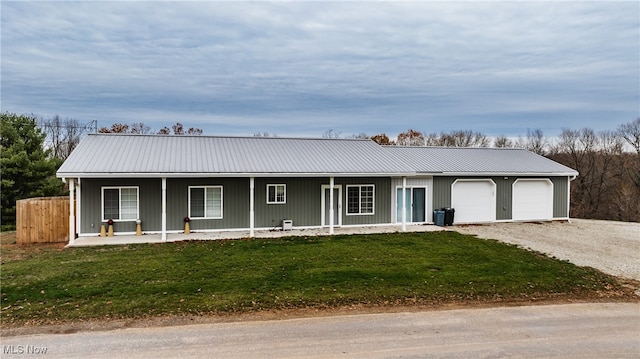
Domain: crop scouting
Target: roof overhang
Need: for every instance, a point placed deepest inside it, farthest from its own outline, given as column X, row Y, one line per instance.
column 505, row 174
column 234, row 175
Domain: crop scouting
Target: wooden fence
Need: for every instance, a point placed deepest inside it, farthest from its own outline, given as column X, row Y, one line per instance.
column 42, row 220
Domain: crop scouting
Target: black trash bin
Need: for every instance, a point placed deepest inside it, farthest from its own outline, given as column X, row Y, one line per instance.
column 448, row 216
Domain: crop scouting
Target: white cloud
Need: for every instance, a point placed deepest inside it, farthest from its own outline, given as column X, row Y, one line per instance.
column 354, row 67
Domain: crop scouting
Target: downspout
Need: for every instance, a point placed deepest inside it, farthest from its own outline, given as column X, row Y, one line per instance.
column 571, row 179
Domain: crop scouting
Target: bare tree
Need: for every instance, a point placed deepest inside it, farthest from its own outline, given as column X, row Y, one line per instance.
column 503, row 142
column 330, row 133
column 605, row 182
column 264, row 134
column 411, row 138
column 140, row 128
column 464, row 138
column 630, row 132
column 535, row 142
column 432, row 139
column 360, row 136
column 115, row 128
column 63, row 135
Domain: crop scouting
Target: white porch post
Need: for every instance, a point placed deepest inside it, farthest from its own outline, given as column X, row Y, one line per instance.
column 404, row 205
column 331, row 199
column 72, row 217
column 252, row 185
column 164, row 208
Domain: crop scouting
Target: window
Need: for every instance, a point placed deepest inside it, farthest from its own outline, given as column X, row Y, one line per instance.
column 360, row 199
column 120, row 203
column 205, row 202
column 276, row 193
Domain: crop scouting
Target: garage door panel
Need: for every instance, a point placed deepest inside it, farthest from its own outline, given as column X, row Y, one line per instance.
column 474, row 201
column 532, row 200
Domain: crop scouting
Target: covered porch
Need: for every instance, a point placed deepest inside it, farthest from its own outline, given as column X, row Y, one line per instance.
column 222, row 235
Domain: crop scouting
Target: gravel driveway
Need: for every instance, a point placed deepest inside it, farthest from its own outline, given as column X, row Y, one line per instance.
column 612, row 247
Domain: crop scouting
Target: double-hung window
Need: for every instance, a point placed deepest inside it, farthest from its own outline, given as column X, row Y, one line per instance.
column 205, row 202
column 276, row 194
column 120, row 203
column 360, row 199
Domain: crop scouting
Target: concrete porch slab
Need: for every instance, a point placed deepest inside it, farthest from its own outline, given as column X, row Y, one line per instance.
column 195, row 235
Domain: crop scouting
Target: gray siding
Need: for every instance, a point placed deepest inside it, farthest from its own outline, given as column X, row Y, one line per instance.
column 382, row 203
column 303, row 202
column 150, row 206
column 504, row 192
column 235, row 203
column 560, row 199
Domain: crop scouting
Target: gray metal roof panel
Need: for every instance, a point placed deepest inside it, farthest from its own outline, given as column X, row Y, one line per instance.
column 438, row 160
column 163, row 154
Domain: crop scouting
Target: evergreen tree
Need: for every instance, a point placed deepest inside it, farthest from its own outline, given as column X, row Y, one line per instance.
column 26, row 168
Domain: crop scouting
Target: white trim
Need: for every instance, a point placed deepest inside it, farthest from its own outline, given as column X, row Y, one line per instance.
column 426, row 204
column 404, row 205
column 276, row 185
column 205, row 187
column 323, row 220
column 549, row 204
column 72, row 218
column 373, row 200
column 252, row 186
column 493, row 192
column 239, row 174
column 120, row 188
column 164, row 209
column 78, row 208
column 332, row 214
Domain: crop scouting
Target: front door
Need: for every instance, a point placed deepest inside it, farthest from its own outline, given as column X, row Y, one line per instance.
column 337, row 205
column 414, row 204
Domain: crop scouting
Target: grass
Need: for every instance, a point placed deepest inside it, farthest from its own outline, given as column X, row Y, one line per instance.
column 135, row 281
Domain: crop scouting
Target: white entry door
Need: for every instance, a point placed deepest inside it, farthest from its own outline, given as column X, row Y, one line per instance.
column 337, row 205
column 532, row 199
column 474, row 201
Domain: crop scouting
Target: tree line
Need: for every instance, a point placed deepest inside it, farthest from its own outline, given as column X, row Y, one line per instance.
column 608, row 187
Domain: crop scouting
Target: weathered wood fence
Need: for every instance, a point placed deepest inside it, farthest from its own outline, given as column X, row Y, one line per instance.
column 42, row 220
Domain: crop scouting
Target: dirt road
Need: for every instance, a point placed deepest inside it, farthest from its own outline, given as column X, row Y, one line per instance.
column 612, row 247
column 604, row 330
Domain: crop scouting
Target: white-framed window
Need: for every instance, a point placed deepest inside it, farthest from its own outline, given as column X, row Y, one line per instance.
column 276, row 194
column 120, row 203
column 360, row 199
column 205, row 202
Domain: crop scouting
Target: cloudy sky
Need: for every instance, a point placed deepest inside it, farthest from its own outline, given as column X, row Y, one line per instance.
column 300, row 68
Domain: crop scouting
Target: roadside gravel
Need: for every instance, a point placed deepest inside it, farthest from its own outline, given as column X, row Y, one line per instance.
column 612, row 247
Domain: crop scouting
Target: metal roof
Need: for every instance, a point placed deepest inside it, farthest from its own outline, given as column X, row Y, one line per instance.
column 485, row 161
column 118, row 155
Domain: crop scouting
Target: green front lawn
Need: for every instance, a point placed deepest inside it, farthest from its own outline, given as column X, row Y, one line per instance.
column 246, row 275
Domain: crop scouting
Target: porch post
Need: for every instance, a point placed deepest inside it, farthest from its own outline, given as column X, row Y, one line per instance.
column 164, row 208
column 72, row 217
column 331, row 199
column 252, row 185
column 404, row 205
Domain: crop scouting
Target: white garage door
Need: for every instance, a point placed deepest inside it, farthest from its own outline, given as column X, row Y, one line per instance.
column 474, row 201
column 532, row 199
